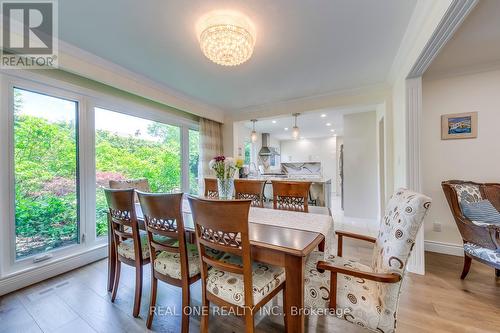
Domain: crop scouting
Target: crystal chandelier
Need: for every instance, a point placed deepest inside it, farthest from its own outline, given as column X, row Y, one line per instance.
column 226, row 37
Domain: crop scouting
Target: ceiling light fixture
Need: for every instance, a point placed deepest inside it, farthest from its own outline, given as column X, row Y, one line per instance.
column 253, row 135
column 274, row 121
column 226, row 37
column 295, row 129
column 332, row 130
column 323, row 115
column 328, row 124
column 286, row 128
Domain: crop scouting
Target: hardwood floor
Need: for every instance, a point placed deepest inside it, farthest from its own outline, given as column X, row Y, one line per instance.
column 78, row 302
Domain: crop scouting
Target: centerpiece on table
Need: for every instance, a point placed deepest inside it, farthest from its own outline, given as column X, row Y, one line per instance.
column 225, row 169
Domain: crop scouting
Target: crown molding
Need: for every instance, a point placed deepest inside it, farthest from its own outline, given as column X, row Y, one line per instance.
column 453, row 18
column 83, row 63
column 432, row 24
column 369, row 95
column 461, row 71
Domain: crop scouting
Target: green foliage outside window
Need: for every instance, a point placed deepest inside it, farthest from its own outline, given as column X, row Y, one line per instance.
column 45, row 182
column 46, row 205
column 121, row 157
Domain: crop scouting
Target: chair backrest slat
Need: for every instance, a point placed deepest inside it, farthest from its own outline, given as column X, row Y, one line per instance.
column 288, row 195
column 250, row 189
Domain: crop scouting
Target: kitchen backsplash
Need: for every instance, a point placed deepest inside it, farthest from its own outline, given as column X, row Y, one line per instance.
column 306, row 168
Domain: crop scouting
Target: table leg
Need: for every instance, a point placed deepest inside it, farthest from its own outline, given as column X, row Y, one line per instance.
column 111, row 257
column 294, row 268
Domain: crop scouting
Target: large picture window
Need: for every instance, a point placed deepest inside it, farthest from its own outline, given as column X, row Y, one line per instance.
column 129, row 147
column 45, row 172
column 61, row 145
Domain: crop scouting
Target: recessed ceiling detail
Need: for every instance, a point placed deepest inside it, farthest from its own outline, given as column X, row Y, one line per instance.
column 301, row 49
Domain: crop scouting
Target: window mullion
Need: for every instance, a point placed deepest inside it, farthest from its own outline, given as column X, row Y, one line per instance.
column 185, row 159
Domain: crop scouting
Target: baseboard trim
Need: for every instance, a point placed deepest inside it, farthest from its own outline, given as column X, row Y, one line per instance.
column 444, row 248
column 24, row 279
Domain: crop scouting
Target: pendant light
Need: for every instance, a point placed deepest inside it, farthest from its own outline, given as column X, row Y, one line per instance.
column 295, row 130
column 253, row 135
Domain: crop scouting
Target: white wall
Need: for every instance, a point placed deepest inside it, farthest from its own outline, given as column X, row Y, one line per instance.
column 312, row 150
column 467, row 159
column 361, row 195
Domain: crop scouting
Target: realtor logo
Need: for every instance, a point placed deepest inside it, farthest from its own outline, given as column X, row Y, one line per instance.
column 29, row 34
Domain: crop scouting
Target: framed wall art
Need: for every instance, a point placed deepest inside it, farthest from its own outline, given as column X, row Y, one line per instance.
column 459, row 126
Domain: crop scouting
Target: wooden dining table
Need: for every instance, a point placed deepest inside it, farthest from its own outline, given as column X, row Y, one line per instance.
column 275, row 245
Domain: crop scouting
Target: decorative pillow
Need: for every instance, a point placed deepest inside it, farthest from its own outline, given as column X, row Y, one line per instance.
column 481, row 211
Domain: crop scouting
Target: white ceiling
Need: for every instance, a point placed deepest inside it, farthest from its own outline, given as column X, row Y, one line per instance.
column 311, row 124
column 303, row 48
column 476, row 43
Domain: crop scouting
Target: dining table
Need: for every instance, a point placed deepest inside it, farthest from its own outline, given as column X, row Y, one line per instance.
column 277, row 237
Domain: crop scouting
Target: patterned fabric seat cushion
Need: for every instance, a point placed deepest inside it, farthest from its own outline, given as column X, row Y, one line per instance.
column 169, row 263
column 358, row 297
column 229, row 286
column 126, row 248
column 485, row 254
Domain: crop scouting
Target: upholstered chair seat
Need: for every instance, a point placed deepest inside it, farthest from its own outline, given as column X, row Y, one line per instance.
column 368, row 295
column 482, row 253
column 356, row 294
column 126, row 248
column 169, row 263
column 229, row 286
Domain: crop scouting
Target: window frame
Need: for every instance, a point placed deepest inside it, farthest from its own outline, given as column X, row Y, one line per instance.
column 87, row 100
column 13, row 263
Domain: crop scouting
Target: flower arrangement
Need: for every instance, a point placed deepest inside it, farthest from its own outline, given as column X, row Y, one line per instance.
column 225, row 167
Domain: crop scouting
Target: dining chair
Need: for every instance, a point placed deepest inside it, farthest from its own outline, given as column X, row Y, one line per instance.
column 211, row 190
column 289, row 195
column 250, row 189
column 367, row 296
column 175, row 263
column 131, row 248
column 234, row 282
column 141, row 184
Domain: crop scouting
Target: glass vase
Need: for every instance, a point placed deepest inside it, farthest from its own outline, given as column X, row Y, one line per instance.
column 225, row 188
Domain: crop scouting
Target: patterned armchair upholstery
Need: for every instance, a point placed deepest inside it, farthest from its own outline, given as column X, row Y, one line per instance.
column 481, row 240
column 368, row 295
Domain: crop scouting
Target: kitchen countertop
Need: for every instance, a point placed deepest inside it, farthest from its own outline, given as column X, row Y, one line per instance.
column 294, row 179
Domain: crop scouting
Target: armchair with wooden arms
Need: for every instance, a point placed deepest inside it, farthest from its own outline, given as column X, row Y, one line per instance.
column 481, row 240
column 368, row 295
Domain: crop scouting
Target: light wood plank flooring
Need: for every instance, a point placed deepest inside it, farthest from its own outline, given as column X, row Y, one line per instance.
column 78, row 302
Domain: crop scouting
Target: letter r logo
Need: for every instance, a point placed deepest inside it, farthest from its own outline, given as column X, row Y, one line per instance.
column 27, row 27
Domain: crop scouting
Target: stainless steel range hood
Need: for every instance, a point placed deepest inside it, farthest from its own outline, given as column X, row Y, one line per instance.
column 266, row 150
